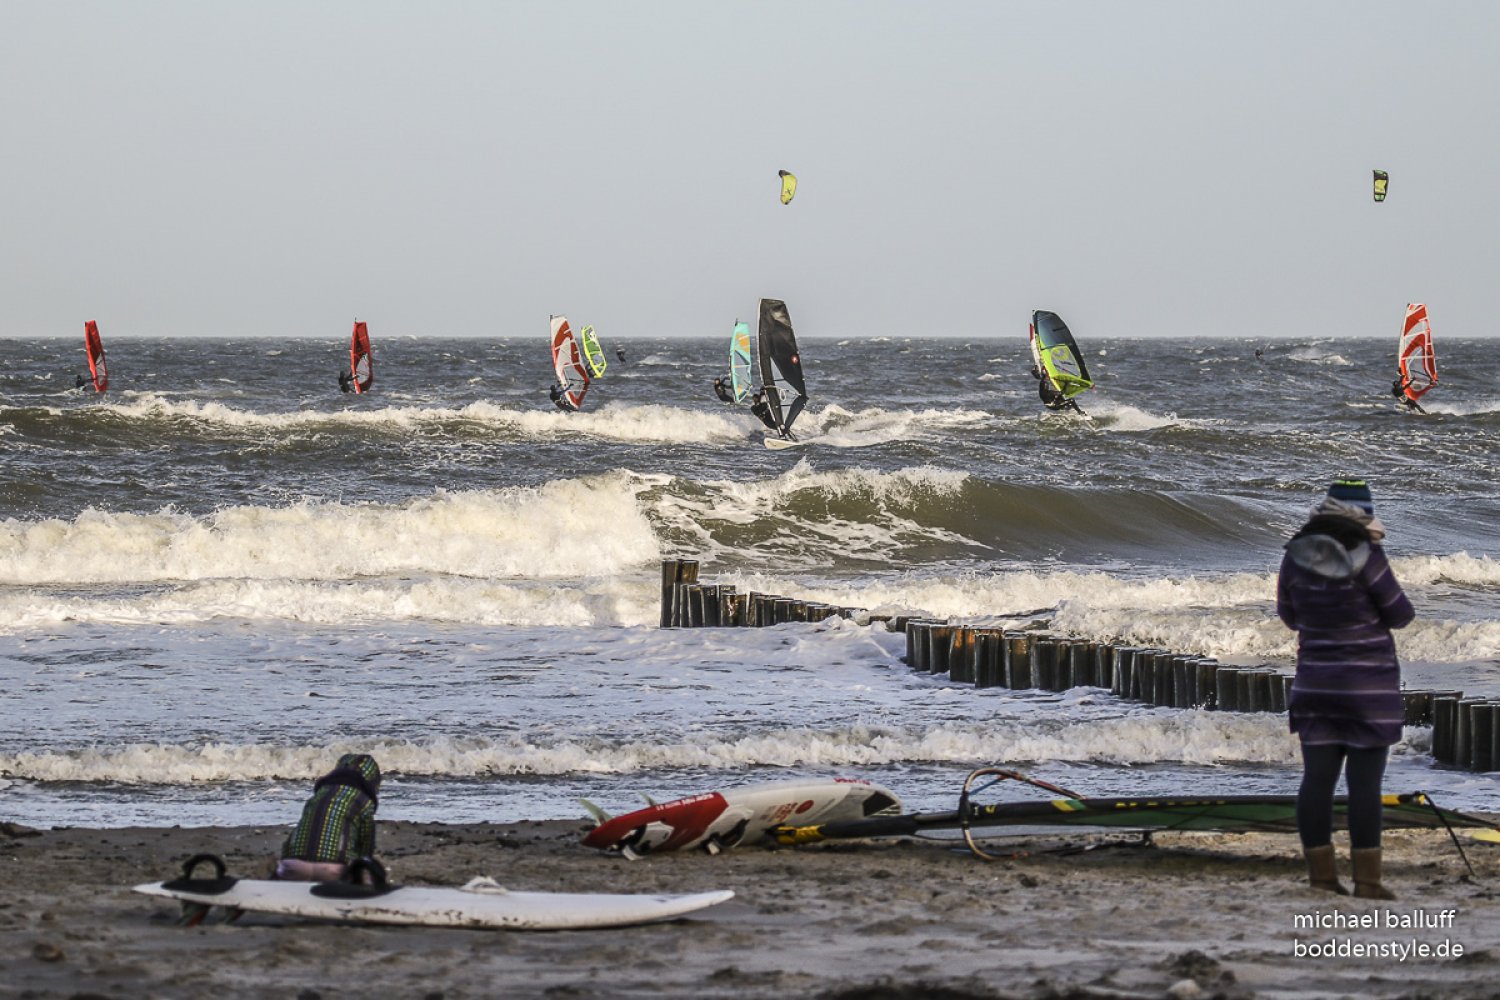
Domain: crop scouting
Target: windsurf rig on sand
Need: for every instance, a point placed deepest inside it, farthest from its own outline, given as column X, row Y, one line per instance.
column 1143, row 814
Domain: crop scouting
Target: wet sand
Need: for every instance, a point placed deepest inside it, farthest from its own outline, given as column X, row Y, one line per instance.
column 1194, row 915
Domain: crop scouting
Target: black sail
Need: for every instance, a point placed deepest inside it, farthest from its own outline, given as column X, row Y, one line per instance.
column 780, row 363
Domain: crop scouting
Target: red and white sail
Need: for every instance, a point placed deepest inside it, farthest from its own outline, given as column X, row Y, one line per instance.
column 1415, row 356
column 93, row 346
column 361, row 360
column 567, row 360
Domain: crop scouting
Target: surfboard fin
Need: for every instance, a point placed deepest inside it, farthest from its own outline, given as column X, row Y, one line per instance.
column 600, row 816
column 649, row 800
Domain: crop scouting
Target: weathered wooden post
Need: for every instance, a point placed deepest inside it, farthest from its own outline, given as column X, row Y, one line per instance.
column 1081, row 659
column 1444, row 715
column 1018, row 662
column 1104, row 665
column 989, row 657
column 939, row 642
column 1044, row 664
column 1482, row 728
column 961, row 656
column 1227, row 686
column 674, row 574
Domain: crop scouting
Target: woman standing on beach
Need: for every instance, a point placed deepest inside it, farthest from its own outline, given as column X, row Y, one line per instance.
column 1336, row 590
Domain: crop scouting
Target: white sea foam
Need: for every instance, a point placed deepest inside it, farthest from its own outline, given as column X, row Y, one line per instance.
column 649, row 423
column 1113, row 416
column 837, row 427
column 548, row 531
column 1141, row 738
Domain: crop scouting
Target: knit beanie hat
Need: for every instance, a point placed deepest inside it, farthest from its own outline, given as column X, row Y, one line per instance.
column 1353, row 491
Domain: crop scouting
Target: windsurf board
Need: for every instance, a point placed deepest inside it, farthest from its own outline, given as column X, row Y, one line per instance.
column 781, row 444
column 482, row 902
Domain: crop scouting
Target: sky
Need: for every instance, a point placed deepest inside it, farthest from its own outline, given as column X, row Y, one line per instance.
column 1195, row 168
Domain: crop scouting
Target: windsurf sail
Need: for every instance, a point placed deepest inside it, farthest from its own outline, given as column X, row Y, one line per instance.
column 593, row 352
column 572, row 377
column 361, row 360
column 788, row 186
column 1220, row 813
column 1382, row 181
column 739, row 361
column 1415, row 356
column 93, row 346
column 1056, row 354
column 780, row 365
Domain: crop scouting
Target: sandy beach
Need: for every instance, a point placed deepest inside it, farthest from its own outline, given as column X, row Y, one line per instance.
column 1192, row 915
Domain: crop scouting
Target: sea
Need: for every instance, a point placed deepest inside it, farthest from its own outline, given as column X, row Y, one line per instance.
column 222, row 573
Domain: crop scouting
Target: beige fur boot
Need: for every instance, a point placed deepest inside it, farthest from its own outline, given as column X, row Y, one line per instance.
column 1322, row 872
column 1367, row 874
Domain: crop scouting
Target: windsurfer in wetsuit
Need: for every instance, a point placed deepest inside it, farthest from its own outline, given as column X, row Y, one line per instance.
column 1398, row 389
column 346, row 381
column 1051, row 397
column 620, row 353
column 560, row 399
column 722, row 391
column 762, row 409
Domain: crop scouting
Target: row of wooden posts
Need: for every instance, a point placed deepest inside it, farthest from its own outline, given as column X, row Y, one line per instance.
column 1465, row 731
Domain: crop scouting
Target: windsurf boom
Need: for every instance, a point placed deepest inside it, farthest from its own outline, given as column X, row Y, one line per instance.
column 739, row 361
column 361, row 360
column 1415, row 356
column 1057, row 355
column 567, row 361
column 780, row 365
column 93, row 347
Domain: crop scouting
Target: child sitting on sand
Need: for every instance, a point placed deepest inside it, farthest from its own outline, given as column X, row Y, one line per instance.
column 337, row 824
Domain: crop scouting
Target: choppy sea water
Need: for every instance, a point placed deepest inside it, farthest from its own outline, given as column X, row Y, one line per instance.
column 222, row 574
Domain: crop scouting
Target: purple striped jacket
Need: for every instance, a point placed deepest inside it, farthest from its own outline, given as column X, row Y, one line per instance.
column 1341, row 597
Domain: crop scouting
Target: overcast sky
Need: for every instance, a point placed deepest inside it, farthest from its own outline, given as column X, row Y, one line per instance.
column 1141, row 168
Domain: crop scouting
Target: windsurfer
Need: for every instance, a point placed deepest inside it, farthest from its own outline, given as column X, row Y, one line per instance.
column 346, row 381
column 1398, row 389
column 620, row 353
column 722, row 391
column 560, row 398
column 1053, row 399
column 762, row 409
column 79, row 381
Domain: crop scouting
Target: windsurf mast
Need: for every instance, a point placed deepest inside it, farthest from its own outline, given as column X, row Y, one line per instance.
column 93, row 347
column 780, row 365
column 1415, row 355
column 361, row 359
column 567, row 361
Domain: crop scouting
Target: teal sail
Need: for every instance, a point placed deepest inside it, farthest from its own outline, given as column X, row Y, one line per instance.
column 739, row 361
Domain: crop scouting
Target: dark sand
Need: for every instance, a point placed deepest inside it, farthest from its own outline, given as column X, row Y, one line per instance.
column 1196, row 915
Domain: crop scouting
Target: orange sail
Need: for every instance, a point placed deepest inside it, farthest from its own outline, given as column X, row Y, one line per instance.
column 94, row 348
column 361, row 361
column 1415, row 357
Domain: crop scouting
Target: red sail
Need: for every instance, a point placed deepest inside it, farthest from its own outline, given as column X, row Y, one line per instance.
column 94, row 348
column 361, row 361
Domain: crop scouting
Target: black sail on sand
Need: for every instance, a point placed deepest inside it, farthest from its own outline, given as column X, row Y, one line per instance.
column 780, row 364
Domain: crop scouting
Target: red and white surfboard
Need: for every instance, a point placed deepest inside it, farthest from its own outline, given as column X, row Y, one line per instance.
column 716, row 820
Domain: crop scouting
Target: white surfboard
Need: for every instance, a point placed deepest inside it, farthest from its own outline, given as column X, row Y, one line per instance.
column 481, row 903
column 716, row 820
column 781, row 444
